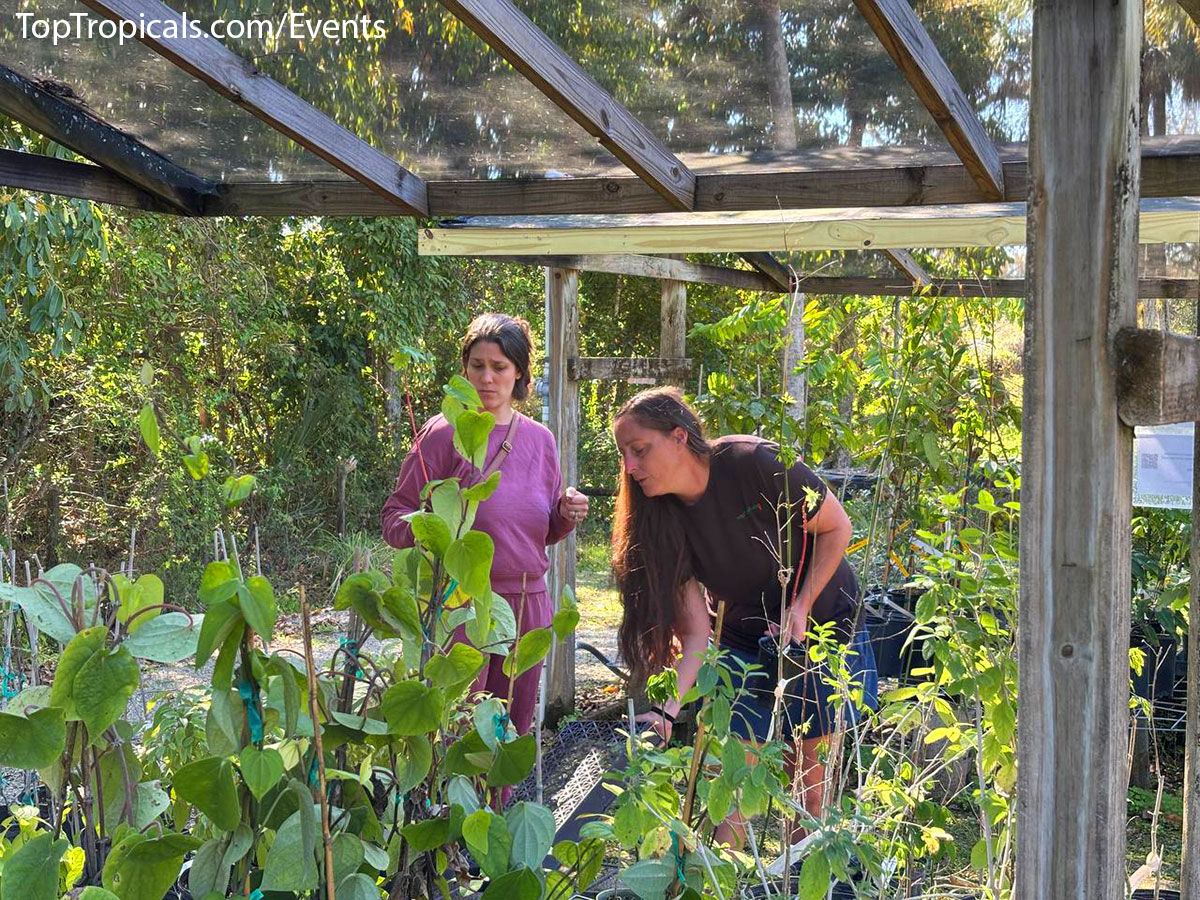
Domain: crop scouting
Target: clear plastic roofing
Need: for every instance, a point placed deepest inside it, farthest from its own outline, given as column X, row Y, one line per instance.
column 699, row 74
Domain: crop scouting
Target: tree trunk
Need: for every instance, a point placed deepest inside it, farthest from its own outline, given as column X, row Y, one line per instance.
column 778, row 77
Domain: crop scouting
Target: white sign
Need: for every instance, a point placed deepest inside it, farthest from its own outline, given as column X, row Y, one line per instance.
column 1162, row 466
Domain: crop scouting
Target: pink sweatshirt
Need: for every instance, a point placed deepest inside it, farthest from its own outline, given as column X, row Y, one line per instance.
column 521, row 517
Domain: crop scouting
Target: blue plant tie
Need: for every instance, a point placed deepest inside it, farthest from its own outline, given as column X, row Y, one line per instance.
column 10, row 682
column 501, row 722
column 256, row 894
column 450, row 589
column 249, row 694
column 312, row 771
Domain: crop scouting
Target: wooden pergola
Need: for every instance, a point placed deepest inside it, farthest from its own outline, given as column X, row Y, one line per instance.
column 1074, row 194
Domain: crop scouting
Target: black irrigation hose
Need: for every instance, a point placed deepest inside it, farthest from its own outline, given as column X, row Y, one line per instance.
column 604, row 660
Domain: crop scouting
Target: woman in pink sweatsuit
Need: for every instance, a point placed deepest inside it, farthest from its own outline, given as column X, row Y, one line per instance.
column 528, row 511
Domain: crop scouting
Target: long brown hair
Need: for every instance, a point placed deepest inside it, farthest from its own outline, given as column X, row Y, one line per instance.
column 649, row 549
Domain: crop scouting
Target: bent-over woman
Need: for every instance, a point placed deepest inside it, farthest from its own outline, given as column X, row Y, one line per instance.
column 693, row 514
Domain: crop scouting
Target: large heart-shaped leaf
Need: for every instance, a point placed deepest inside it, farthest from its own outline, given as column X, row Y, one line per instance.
column 208, row 785
column 261, row 769
column 454, row 670
column 142, row 868
column 146, row 592
column 469, row 562
column 31, row 873
column 532, row 829
column 222, row 617
column 168, row 638
column 531, row 650
column 411, row 707
column 34, row 741
column 219, row 582
column 471, row 432
column 514, row 761
column 75, row 655
column 103, row 687
column 291, row 864
column 257, row 600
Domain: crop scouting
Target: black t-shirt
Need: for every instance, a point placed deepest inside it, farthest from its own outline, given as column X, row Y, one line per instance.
column 734, row 538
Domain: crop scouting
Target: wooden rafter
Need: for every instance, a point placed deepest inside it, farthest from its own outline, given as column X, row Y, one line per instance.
column 907, row 266
column 1192, row 8
column 776, row 272
column 909, row 44
column 236, row 79
column 1158, row 377
column 526, row 47
column 622, row 368
column 47, row 175
column 75, row 128
column 980, row 225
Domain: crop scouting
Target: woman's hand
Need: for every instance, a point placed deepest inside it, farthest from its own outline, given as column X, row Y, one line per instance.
column 797, row 626
column 573, row 506
column 656, row 720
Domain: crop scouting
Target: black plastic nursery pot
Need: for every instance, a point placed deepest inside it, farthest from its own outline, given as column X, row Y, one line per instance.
column 888, row 634
column 774, row 889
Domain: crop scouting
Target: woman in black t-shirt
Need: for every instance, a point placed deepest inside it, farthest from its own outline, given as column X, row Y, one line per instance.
column 729, row 517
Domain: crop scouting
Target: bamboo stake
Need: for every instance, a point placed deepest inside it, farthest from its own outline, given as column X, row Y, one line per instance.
column 312, row 711
column 690, row 796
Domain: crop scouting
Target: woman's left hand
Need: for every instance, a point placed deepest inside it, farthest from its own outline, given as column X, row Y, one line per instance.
column 573, row 506
column 797, row 626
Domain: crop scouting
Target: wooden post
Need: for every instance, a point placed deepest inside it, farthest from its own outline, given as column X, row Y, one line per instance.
column 1076, row 491
column 562, row 344
column 672, row 335
column 1189, row 876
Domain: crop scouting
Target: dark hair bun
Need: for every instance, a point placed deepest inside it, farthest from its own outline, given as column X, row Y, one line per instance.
column 512, row 336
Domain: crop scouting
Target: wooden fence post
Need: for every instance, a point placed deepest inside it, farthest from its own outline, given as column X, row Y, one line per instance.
column 1076, row 493
column 672, row 335
column 562, row 344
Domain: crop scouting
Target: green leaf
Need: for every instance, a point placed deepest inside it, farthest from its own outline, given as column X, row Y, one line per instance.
column 504, row 625
column 447, row 503
column 460, row 790
column 930, row 447
column 464, row 756
column 75, row 655
column 564, row 623
column 43, row 611
column 168, row 638
column 720, row 800
column 471, row 432
column 257, row 601
column 146, row 592
column 487, row 714
column 196, row 462
column 469, row 562
column 531, row 650
column 627, row 822
column 413, row 762
column 463, row 391
column 477, row 493
column 401, row 606
column 141, row 868
column 427, row 834
column 430, row 531
column 926, row 607
column 219, row 582
column 519, row 885
column 348, row 855
column 814, row 877
column 475, row 831
column 91, row 892
column 208, row 785
column 219, row 622
column 224, row 722
column 236, row 489
column 209, row 873
column 357, row 886
column 514, row 762
column 291, row 864
column 455, row 670
column 650, row 878
column 148, row 424
column 493, row 852
column 103, row 687
column 532, row 830
column 411, row 707
column 261, row 769
column 31, row 873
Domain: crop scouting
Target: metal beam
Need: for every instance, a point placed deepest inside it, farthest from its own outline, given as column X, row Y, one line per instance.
column 238, row 80
column 70, row 125
column 909, row 44
column 47, row 175
column 526, row 47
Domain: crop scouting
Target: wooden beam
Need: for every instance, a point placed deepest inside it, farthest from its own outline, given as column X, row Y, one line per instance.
column 909, row 44
column 650, row 267
column 510, row 33
column 981, row 225
column 672, row 334
column 562, row 346
column 868, row 286
column 776, row 272
column 73, row 127
column 872, row 176
column 1076, row 459
column 47, row 175
column 1192, row 8
column 1158, row 376
column 238, row 80
column 624, row 368
column 906, row 265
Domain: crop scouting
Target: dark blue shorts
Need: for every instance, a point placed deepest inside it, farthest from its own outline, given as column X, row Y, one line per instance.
column 809, row 702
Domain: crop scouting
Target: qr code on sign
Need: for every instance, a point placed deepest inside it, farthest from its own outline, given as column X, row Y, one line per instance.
column 1149, row 460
